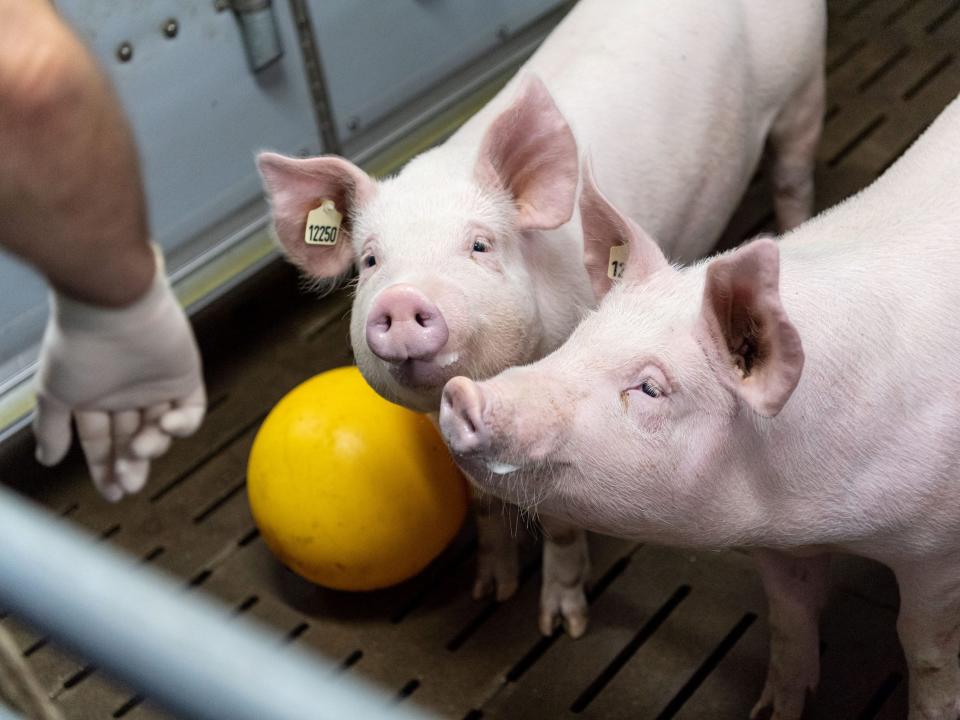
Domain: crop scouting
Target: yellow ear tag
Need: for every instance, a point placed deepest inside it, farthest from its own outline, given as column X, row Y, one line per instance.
column 618, row 261
column 323, row 225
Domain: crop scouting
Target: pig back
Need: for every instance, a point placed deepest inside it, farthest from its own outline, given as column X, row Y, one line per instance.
column 872, row 287
column 673, row 101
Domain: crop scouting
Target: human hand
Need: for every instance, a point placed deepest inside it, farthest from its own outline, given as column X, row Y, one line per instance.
column 130, row 377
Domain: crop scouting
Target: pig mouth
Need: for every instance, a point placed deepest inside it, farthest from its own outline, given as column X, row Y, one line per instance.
column 481, row 467
column 425, row 374
column 526, row 486
column 498, row 467
column 491, row 475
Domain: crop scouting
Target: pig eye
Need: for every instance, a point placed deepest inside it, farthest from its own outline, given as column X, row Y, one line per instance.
column 650, row 389
column 480, row 246
column 369, row 261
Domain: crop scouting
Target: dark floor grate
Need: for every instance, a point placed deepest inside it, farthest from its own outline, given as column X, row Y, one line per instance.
column 545, row 643
column 888, row 65
column 881, row 696
column 925, row 79
column 352, row 659
column 942, row 18
column 851, row 145
column 709, row 665
column 621, row 659
column 409, row 688
column 296, row 632
column 128, row 706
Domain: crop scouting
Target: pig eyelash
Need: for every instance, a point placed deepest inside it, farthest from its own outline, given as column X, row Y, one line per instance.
column 480, row 245
column 650, row 389
column 368, row 256
column 647, row 387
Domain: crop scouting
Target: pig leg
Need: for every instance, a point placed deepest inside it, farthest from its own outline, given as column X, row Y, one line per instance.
column 497, row 563
column 566, row 571
column 929, row 629
column 793, row 143
column 796, row 590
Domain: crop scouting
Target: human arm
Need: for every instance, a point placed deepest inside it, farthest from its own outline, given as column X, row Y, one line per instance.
column 118, row 354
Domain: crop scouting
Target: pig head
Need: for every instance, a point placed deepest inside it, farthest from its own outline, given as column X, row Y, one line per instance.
column 630, row 425
column 453, row 274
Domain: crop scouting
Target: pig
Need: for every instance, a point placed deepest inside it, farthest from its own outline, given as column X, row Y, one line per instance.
column 470, row 260
column 795, row 398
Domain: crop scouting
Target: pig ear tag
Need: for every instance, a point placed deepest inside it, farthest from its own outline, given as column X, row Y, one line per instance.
column 323, row 225
column 618, row 261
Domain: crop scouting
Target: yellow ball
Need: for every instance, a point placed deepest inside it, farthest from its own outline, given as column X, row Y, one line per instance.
column 350, row 490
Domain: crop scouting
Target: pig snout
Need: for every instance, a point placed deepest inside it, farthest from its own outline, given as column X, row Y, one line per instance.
column 461, row 417
column 404, row 324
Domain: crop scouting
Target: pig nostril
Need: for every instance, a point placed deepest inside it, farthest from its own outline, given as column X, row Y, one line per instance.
column 468, row 421
column 422, row 319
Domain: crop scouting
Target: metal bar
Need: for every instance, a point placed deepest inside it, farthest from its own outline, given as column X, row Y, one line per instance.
column 179, row 650
column 313, row 66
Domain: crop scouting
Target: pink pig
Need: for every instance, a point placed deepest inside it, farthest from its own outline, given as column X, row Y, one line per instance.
column 470, row 260
column 796, row 398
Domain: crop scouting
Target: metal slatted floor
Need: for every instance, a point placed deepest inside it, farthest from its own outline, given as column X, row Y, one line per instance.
column 673, row 634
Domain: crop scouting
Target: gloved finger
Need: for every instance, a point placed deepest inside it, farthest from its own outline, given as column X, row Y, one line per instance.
column 153, row 413
column 151, row 441
column 51, row 428
column 186, row 415
column 93, row 427
column 131, row 474
column 123, row 425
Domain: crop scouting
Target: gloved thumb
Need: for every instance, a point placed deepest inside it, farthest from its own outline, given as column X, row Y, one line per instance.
column 51, row 427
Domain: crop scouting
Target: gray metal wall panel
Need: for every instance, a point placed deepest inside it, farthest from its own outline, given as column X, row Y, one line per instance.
column 378, row 55
column 197, row 111
column 23, row 313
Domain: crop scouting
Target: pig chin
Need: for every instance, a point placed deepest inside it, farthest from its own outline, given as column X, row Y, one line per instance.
column 428, row 376
column 517, row 484
column 416, row 384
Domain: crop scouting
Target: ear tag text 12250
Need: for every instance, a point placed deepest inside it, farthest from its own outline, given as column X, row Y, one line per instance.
column 323, row 225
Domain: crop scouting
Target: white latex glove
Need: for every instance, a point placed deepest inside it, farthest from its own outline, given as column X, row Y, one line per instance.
column 130, row 377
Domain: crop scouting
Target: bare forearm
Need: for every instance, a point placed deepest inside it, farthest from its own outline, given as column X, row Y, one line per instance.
column 71, row 199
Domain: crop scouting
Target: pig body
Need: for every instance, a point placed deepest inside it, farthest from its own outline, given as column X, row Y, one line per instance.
column 793, row 398
column 470, row 259
column 674, row 103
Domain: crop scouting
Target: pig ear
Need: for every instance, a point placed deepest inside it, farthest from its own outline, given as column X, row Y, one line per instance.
column 756, row 341
column 295, row 187
column 530, row 152
column 605, row 227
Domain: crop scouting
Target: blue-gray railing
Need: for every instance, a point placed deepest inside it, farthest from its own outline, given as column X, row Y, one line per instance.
column 180, row 650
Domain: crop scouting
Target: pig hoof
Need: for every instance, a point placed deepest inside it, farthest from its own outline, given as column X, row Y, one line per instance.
column 568, row 609
column 761, row 712
column 506, row 589
column 783, row 706
column 501, row 588
column 497, row 574
column 481, row 588
column 574, row 623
